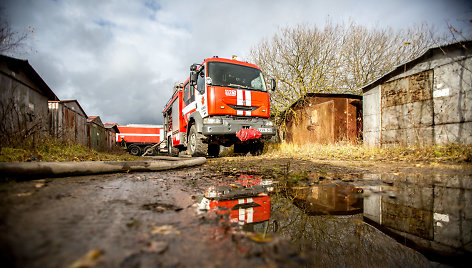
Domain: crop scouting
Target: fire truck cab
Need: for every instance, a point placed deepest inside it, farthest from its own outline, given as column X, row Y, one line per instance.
column 218, row 99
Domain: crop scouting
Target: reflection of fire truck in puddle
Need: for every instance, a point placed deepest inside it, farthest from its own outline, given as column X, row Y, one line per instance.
column 246, row 202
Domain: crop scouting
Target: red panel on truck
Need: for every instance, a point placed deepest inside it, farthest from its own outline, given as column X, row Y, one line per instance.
column 140, row 134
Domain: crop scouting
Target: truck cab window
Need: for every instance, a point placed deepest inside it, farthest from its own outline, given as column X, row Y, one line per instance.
column 192, row 94
column 235, row 76
column 187, row 94
column 201, row 81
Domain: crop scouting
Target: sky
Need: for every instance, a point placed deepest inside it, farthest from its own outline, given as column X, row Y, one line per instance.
column 121, row 58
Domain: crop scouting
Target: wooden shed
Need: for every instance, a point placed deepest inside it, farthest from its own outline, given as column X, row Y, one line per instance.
column 111, row 129
column 68, row 121
column 324, row 118
column 23, row 100
column 97, row 138
column 424, row 101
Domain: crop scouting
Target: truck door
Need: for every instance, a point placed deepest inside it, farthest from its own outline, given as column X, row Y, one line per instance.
column 189, row 94
column 189, row 102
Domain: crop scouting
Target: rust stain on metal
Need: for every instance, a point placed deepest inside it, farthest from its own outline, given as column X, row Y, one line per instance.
column 410, row 89
column 325, row 118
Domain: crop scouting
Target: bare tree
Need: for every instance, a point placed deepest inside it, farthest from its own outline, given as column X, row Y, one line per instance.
column 19, row 123
column 10, row 40
column 369, row 53
column 302, row 59
column 337, row 58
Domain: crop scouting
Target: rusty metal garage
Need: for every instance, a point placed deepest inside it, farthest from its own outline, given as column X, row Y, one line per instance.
column 324, row 118
column 68, row 121
column 425, row 101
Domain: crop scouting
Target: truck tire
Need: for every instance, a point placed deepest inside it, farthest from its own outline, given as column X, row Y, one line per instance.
column 196, row 147
column 257, row 148
column 151, row 152
column 134, row 149
column 241, row 148
column 214, row 150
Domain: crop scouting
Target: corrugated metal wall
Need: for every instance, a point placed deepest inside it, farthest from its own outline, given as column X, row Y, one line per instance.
column 407, row 109
column 372, row 116
column 66, row 124
column 97, row 138
column 110, row 138
column 23, row 109
column 452, row 95
column 324, row 119
column 429, row 103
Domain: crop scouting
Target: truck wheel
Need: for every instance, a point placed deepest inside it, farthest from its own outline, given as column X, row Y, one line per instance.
column 214, row 150
column 151, row 152
column 196, row 147
column 241, row 148
column 134, row 150
column 257, row 148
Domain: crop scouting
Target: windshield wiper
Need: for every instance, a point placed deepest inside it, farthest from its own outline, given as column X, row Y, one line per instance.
column 238, row 86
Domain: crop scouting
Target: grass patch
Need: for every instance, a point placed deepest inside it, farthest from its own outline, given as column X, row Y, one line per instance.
column 51, row 151
column 436, row 153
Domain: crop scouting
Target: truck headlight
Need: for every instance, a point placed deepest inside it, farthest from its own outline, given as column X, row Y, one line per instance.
column 212, row 121
column 269, row 123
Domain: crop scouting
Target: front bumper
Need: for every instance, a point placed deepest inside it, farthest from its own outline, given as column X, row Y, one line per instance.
column 231, row 126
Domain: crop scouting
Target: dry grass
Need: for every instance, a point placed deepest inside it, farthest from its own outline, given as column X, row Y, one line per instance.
column 437, row 153
column 51, row 150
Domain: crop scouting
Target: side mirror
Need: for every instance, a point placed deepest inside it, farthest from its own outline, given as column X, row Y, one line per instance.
column 193, row 78
column 273, row 84
column 193, row 67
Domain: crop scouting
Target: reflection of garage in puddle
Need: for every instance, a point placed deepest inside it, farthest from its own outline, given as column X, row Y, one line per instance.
column 160, row 207
column 328, row 199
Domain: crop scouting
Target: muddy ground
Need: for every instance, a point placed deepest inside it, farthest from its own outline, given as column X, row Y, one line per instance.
column 263, row 165
column 152, row 220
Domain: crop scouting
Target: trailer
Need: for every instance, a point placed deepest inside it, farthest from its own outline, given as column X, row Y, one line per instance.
column 138, row 138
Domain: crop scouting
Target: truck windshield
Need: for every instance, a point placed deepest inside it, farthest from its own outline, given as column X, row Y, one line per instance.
column 236, row 76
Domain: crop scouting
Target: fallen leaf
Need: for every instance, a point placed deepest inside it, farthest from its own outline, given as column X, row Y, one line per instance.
column 164, row 229
column 90, row 259
column 259, row 238
column 110, row 187
column 358, row 221
column 156, row 247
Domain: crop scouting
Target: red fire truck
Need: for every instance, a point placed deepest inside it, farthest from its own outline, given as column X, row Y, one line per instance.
column 139, row 137
column 220, row 99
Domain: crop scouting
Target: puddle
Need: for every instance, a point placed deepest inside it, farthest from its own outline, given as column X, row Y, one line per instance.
column 245, row 203
column 328, row 199
column 371, row 218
